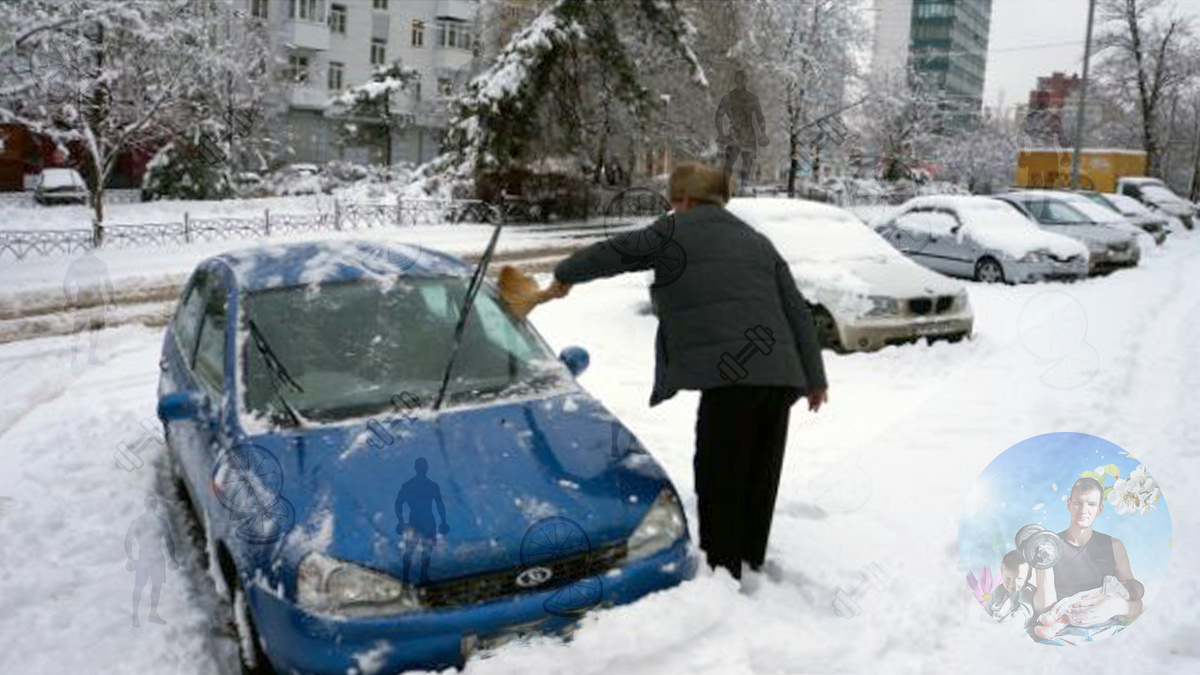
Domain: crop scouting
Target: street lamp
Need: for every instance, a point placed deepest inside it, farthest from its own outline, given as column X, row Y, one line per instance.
column 1077, row 162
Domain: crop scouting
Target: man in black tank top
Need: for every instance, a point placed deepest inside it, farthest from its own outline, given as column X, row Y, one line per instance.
column 1088, row 556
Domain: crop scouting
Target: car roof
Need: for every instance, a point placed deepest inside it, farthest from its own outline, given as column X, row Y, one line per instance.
column 325, row 262
column 950, row 201
column 769, row 207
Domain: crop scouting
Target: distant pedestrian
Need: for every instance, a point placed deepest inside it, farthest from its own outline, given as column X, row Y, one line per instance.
column 743, row 111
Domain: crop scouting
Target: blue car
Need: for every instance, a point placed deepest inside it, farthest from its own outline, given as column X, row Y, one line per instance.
column 355, row 526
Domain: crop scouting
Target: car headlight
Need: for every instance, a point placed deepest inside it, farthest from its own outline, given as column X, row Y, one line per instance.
column 661, row 527
column 331, row 586
column 882, row 306
column 1036, row 257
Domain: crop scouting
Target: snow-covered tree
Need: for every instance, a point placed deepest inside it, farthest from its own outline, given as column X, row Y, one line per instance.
column 900, row 119
column 368, row 114
column 981, row 158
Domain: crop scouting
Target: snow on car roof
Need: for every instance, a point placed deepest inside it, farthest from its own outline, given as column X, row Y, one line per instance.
column 60, row 177
column 317, row 263
column 804, row 230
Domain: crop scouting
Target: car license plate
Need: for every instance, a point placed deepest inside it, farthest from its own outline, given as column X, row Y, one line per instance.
column 933, row 328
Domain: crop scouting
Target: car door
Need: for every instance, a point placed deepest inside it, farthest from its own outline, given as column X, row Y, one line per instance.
column 179, row 351
column 952, row 251
column 911, row 235
column 209, row 373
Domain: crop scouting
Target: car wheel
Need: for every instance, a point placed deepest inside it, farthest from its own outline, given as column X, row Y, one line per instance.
column 827, row 332
column 989, row 271
column 250, row 653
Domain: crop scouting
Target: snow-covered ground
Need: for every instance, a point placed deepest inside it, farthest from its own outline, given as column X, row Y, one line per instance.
column 906, row 431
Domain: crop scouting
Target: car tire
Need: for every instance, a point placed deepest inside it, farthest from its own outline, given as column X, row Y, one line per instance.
column 827, row 331
column 989, row 271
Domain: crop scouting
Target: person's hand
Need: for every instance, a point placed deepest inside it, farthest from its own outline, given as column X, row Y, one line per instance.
column 1099, row 609
column 557, row 289
column 444, row 528
column 130, row 565
column 817, row 397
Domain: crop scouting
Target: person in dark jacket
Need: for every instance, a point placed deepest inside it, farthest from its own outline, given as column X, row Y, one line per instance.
column 734, row 326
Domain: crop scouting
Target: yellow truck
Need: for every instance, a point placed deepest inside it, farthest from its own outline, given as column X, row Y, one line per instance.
column 1101, row 168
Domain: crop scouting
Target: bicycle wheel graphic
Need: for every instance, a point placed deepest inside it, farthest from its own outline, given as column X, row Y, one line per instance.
column 269, row 525
column 669, row 264
column 247, row 479
column 631, row 206
column 552, row 539
column 575, row 598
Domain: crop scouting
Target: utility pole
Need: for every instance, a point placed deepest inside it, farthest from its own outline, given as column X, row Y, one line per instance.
column 1077, row 163
column 1195, row 189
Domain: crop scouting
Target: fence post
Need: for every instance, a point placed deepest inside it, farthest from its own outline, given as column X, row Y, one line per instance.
column 267, row 222
column 337, row 215
column 398, row 223
column 187, row 228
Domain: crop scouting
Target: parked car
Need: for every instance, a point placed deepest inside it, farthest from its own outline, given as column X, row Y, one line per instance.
column 864, row 294
column 982, row 239
column 278, row 367
column 1135, row 212
column 248, row 184
column 1108, row 248
column 1110, row 218
column 298, row 179
column 61, row 186
column 1155, row 194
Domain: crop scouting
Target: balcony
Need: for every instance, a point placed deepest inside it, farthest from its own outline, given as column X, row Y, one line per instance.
column 457, row 9
column 305, row 34
column 308, row 97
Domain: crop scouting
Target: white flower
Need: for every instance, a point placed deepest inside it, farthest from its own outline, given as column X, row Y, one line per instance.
column 1124, row 497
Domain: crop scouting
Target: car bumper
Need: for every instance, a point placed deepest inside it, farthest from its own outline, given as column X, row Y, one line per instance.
column 297, row 641
column 869, row 333
column 60, row 198
column 1102, row 263
column 1050, row 270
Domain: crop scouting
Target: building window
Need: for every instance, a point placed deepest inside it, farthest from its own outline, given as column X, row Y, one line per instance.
column 378, row 52
column 336, row 71
column 337, row 18
column 381, row 4
column 416, row 87
column 418, row 33
column 258, row 9
column 307, row 10
column 297, row 69
column 455, row 34
column 445, row 86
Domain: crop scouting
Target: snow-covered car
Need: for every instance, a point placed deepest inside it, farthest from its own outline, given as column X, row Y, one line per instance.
column 1135, row 212
column 982, row 239
column 249, row 184
column 298, row 179
column 1111, row 218
column 865, row 295
column 1155, row 194
column 1108, row 248
column 298, row 389
column 61, row 186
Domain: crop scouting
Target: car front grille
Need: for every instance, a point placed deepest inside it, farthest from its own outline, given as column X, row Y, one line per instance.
column 502, row 584
column 922, row 306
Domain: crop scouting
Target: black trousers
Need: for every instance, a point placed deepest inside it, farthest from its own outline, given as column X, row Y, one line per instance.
column 740, row 437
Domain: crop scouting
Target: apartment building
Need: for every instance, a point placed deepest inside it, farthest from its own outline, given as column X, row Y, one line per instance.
column 325, row 46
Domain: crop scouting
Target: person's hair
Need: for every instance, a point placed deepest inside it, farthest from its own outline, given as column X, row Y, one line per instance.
column 1013, row 561
column 1087, row 485
column 699, row 182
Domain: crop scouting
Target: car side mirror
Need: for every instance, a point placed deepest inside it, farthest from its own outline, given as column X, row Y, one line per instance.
column 956, row 228
column 576, row 359
column 181, row 405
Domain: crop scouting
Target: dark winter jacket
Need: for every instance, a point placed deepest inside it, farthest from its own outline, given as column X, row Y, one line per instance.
column 734, row 282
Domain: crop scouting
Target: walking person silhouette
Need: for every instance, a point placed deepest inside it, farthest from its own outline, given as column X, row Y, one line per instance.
column 420, row 493
column 148, row 530
column 87, row 274
column 743, row 110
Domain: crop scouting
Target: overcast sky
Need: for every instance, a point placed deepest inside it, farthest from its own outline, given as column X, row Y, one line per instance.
column 1017, row 25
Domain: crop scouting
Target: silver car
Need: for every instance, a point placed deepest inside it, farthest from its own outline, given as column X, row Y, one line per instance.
column 61, row 186
column 1135, row 212
column 1108, row 247
column 982, row 239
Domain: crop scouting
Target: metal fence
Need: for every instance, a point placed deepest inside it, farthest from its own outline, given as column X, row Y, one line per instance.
column 21, row 244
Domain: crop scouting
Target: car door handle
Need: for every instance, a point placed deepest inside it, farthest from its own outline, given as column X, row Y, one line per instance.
column 162, row 364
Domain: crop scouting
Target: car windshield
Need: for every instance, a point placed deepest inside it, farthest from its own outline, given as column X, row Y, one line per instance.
column 1160, row 195
column 344, row 350
column 1054, row 211
column 1129, row 205
column 1100, row 200
column 58, row 179
column 1095, row 212
column 997, row 216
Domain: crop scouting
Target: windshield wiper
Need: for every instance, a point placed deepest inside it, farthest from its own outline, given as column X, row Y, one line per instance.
column 278, row 372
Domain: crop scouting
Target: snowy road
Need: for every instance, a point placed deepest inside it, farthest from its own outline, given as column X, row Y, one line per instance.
column 890, row 459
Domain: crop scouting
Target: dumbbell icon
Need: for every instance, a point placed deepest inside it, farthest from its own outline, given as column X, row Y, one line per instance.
column 733, row 368
column 846, row 605
column 1040, row 547
column 127, row 456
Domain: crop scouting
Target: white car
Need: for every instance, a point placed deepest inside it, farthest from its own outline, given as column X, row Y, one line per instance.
column 1109, row 218
column 983, row 239
column 864, row 294
column 61, row 186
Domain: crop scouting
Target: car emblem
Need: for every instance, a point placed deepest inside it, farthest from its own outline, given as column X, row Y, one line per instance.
column 534, row 576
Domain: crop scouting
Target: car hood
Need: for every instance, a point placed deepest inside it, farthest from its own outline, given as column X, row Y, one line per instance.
column 1174, row 207
column 1015, row 242
column 844, row 287
column 499, row 469
column 1095, row 236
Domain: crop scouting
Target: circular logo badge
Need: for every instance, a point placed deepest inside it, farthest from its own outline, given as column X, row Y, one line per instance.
column 626, row 217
